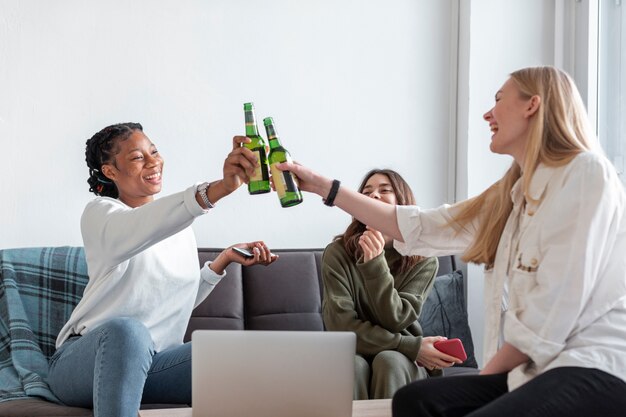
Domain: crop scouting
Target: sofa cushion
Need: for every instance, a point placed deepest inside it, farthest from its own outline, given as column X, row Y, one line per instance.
column 444, row 313
column 285, row 295
column 223, row 308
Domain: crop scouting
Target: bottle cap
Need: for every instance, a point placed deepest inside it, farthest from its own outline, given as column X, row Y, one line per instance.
column 268, row 121
column 248, row 106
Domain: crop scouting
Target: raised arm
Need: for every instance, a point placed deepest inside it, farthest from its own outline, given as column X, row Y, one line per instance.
column 379, row 215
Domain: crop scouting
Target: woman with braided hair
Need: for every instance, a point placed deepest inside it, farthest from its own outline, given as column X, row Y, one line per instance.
column 127, row 331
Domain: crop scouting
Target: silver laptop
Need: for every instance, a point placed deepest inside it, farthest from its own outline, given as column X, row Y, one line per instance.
column 241, row 373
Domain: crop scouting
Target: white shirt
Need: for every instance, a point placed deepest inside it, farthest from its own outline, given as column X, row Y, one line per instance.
column 142, row 263
column 566, row 268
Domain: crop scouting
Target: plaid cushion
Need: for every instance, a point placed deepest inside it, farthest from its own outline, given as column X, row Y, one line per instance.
column 39, row 288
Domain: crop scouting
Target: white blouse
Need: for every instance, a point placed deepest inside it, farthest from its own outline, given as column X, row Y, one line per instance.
column 562, row 258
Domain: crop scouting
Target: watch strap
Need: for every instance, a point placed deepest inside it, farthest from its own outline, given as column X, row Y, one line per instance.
column 202, row 190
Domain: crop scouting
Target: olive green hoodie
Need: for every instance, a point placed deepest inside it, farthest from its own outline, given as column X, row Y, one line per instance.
column 365, row 298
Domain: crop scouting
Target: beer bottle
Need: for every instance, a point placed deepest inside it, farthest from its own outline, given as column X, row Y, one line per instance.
column 260, row 181
column 284, row 181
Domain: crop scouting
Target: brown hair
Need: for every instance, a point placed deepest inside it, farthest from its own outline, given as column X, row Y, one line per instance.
column 559, row 130
column 404, row 197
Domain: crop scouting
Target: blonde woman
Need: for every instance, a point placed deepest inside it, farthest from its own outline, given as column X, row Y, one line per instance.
column 552, row 237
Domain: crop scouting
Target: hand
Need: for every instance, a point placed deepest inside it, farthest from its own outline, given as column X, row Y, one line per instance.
column 308, row 180
column 239, row 165
column 259, row 249
column 430, row 358
column 507, row 358
column 372, row 243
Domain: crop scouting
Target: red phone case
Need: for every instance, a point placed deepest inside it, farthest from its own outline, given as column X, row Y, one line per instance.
column 452, row 347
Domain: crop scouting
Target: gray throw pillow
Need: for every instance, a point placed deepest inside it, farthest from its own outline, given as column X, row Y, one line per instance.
column 444, row 313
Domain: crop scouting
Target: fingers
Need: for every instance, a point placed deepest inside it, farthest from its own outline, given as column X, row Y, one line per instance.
column 376, row 233
column 243, row 158
column 372, row 243
column 238, row 167
column 262, row 254
column 239, row 140
column 366, row 243
column 303, row 175
column 435, row 364
column 367, row 253
column 289, row 166
column 431, row 358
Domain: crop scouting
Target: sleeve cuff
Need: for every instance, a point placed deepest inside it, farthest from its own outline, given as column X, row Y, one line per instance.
column 410, row 346
column 538, row 349
column 209, row 275
column 410, row 226
column 191, row 203
column 375, row 268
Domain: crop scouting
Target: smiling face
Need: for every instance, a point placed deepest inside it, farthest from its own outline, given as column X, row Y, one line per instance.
column 136, row 169
column 378, row 186
column 509, row 121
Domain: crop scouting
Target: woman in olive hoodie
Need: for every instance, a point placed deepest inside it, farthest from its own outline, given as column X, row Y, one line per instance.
column 373, row 291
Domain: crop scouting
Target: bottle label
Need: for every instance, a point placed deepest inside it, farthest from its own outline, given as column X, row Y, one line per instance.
column 284, row 181
column 258, row 172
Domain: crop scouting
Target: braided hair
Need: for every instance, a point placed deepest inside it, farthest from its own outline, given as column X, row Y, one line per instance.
column 100, row 150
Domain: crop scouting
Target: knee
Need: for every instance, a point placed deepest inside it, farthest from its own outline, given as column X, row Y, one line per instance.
column 388, row 359
column 361, row 367
column 127, row 333
column 403, row 402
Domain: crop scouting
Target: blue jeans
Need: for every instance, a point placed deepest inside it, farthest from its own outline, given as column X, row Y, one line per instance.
column 114, row 368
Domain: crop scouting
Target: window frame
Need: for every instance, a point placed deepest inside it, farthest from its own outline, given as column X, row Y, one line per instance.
column 585, row 48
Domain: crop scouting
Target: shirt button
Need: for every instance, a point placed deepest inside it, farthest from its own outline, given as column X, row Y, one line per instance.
column 531, row 213
column 534, row 262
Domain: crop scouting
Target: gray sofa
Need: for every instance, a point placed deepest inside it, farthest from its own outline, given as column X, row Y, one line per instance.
column 283, row 296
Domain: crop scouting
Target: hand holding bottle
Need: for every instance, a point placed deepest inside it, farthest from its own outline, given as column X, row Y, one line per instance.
column 239, row 165
column 308, row 180
column 379, row 215
column 284, row 182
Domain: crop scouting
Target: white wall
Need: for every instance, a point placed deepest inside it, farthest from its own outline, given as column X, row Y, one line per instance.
column 352, row 85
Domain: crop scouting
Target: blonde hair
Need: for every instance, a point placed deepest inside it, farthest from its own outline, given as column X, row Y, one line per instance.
column 559, row 130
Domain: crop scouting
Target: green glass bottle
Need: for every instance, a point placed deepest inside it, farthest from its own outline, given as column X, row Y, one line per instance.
column 260, row 181
column 284, row 181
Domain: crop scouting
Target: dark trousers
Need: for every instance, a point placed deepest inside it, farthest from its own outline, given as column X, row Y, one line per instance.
column 560, row 392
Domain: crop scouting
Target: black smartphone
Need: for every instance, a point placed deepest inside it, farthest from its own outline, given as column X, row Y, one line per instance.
column 244, row 252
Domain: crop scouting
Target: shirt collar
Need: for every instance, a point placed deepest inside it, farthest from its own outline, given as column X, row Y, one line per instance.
column 538, row 184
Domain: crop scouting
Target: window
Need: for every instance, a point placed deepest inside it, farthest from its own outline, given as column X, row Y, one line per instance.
column 611, row 83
